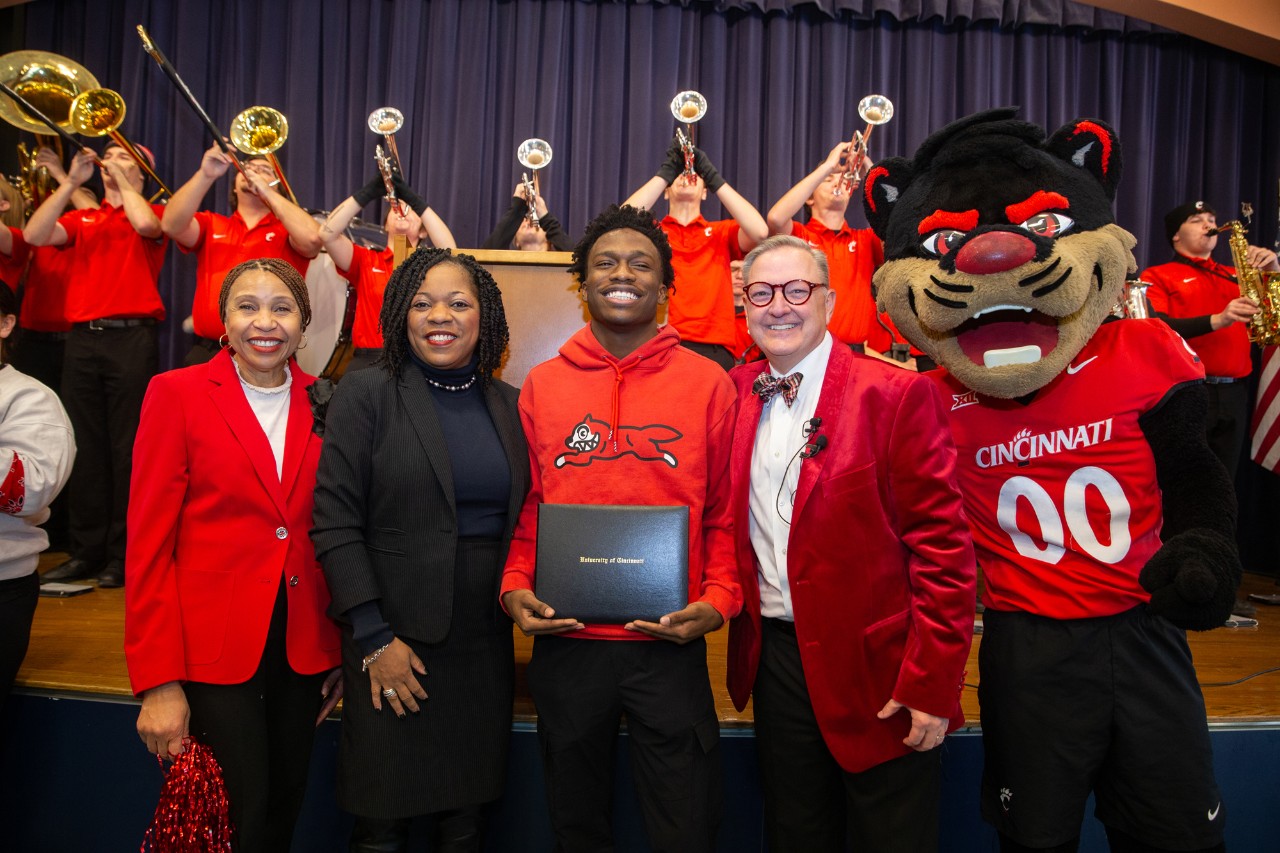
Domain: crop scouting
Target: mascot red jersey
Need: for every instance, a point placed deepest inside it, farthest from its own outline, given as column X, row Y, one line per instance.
column 1103, row 522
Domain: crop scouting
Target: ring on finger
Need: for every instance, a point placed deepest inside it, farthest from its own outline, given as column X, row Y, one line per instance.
column 389, row 692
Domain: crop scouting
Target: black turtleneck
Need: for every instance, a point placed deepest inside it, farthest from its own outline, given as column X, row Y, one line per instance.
column 481, row 475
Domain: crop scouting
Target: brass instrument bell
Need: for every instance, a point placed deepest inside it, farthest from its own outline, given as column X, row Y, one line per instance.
column 688, row 107
column 50, row 83
column 100, row 112
column 533, row 154
column 385, row 121
column 260, row 131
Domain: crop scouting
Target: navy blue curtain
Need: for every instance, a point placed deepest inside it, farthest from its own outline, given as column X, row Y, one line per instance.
column 594, row 78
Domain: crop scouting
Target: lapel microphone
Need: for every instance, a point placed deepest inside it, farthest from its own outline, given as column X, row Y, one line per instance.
column 812, row 448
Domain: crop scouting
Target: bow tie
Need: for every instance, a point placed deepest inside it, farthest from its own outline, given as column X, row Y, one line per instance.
column 766, row 385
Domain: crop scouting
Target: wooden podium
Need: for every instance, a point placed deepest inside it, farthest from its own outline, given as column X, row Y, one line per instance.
column 541, row 301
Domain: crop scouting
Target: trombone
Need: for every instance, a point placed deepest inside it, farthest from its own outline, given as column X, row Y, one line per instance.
column 874, row 110
column 688, row 107
column 100, row 112
column 533, row 154
column 260, row 131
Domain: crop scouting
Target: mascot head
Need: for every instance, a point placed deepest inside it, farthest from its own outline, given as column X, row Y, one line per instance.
column 1002, row 256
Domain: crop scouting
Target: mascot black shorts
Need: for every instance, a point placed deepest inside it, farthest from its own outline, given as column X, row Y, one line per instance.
column 1108, row 705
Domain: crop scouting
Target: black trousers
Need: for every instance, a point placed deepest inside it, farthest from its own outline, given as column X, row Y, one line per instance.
column 17, row 609
column 581, row 688
column 202, row 351
column 812, row 805
column 262, row 733
column 1227, row 422
column 716, row 352
column 104, row 379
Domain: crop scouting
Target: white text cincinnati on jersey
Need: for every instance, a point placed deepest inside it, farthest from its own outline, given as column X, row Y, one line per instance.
column 1024, row 446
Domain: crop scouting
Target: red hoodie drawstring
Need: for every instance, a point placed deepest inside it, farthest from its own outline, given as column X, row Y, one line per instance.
column 616, row 412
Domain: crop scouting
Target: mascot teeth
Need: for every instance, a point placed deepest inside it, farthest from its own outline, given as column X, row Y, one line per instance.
column 1002, row 308
column 1013, row 355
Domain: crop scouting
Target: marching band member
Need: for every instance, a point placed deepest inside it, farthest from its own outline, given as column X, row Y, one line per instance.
column 369, row 271
column 264, row 224
column 701, row 250
column 515, row 230
column 114, row 306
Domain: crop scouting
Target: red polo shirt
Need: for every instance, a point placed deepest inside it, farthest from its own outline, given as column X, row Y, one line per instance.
column 1196, row 287
column 701, row 309
column 12, row 264
column 44, row 303
column 369, row 273
column 114, row 270
column 853, row 257
column 224, row 242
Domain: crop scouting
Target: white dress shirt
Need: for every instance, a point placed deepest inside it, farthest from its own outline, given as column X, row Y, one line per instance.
column 775, row 475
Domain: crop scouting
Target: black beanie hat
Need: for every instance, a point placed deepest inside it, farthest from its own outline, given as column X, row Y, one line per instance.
column 1173, row 219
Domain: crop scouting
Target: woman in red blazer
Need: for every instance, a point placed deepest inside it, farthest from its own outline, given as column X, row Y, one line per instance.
column 226, row 635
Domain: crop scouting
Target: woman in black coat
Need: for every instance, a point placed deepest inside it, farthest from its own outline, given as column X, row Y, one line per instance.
column 421, row 479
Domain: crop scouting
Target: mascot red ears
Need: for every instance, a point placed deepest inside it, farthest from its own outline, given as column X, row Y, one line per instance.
column 1002, row 256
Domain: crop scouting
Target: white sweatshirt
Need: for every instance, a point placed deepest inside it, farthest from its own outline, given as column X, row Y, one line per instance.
column 35, row 428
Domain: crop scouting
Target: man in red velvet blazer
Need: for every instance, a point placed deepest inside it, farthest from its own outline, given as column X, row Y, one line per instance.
column 857, row 568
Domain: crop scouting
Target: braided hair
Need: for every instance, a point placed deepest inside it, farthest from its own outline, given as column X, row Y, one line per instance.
column 615, row 218
column 403, row 286
column 282, row 270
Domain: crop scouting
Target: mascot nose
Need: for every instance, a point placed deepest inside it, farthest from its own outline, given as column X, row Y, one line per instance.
column 994, row 252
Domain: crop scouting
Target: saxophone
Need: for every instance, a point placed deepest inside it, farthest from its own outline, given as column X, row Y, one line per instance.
column 1262, row 287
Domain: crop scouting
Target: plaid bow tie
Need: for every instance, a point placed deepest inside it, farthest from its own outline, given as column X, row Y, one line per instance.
column 766, row 385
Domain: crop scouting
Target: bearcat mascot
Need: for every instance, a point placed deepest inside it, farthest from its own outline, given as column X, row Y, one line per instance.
column 1103, row 522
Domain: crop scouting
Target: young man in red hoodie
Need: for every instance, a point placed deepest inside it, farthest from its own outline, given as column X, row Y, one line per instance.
column 587, row 415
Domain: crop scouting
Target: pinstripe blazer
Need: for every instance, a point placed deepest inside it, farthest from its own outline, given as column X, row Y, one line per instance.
column 386, row 524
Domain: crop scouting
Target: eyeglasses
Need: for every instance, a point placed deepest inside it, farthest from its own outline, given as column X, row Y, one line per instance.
column 796, row 292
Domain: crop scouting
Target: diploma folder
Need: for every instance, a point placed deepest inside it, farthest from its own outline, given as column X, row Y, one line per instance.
column 610, row 564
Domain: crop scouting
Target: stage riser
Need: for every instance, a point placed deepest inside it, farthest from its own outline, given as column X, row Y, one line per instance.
column 74, row 778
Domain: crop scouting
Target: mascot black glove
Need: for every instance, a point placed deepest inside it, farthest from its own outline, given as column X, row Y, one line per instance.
column 1193, row 580
column 706, row 169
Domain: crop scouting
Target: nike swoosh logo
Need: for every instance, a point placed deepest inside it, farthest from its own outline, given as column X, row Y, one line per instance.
column 1214, row 813
column 1076, row 368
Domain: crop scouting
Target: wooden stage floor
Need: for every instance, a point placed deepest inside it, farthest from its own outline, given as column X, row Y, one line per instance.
column 77, row 649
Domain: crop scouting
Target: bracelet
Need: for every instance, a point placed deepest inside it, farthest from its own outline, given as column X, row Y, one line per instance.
column 370, row 658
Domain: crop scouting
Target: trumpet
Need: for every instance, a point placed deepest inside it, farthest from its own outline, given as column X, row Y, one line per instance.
column 688, row 107
column 874, row 110
column 46, row 83
column 260, row 131
column 100, row 112
column 533, row 154
column 385, row 121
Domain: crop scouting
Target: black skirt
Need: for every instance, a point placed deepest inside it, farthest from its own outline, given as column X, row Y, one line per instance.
column 453, row 753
